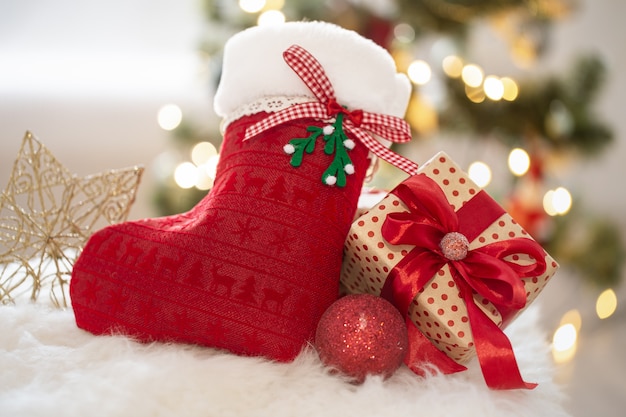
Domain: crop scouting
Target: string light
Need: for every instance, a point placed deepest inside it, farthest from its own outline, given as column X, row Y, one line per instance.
column 510, row 89
column 452, row 66
column 419, row 72
column 557, row 202
column 480, row 173
column 404, row 33
column 186, row 175
column 606, row 304
column 472, row 75
column 251, row 6
column 494, row 89
column 271, row 18
column 548, row 206
column 565, row 337
column 202, row 171
column 562, row 200
column 564, row 343
column 202, row 152
column 519, row 162
column 475, row 94
column 169, row 116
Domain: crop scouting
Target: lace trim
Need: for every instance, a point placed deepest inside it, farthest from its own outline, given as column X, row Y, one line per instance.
column 266, row 104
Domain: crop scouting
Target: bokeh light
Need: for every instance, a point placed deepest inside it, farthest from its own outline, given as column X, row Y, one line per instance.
column 186, row 175
column 472, row 75
column 564, row 337
column 494, row 89
column 169, row 116
column 404, row 33
column 251, row 6
column 606, row 304
column 519, row 161
column 557, row 202
column 271, row 18
column 561, row 200
column 419, row 72
column 475, row 94
column 564, row 343
column 548, row 205
column 202, row 152
column 480, row 173
column 453, row 66
column 511, row 89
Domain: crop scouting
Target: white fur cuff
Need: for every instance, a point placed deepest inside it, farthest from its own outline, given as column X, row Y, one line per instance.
column 363, row 74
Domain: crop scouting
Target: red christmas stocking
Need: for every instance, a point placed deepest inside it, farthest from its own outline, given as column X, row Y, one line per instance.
column 254, row 265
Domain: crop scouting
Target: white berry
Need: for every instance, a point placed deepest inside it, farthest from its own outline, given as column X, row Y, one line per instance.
column 348, row 144
column 289, row 148
column 349, row 169
column 330, row 180
column 328, row 130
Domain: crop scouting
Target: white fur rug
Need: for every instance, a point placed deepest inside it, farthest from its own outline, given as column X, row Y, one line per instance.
column 48, row 367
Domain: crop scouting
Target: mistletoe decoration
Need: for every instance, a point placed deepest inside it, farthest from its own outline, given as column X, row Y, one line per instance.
column 337, row 144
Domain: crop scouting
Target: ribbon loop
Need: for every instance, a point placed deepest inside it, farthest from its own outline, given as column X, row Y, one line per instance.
column 310, row 72
column 359, row 123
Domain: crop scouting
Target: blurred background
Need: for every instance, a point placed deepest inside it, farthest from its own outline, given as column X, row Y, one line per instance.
column 526, row 95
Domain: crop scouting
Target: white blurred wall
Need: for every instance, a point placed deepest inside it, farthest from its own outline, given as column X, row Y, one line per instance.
column 88, row 77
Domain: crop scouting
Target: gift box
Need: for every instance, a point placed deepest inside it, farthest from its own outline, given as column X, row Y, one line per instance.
column 451, row 259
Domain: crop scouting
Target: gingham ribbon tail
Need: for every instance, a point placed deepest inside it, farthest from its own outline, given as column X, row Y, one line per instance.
column 358, row 123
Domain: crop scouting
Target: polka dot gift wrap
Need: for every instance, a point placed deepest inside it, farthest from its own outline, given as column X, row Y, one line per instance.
column 454, row 263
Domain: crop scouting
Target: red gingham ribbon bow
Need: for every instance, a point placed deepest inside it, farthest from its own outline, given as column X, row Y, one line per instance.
column 357, row 122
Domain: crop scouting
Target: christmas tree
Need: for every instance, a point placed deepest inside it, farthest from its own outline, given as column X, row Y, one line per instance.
column 539, row 118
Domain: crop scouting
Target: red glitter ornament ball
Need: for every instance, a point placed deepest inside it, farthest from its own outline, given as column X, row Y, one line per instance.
column 362, row 334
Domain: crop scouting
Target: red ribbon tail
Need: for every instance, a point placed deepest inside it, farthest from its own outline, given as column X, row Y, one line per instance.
column 422, row 353
column 494, row 352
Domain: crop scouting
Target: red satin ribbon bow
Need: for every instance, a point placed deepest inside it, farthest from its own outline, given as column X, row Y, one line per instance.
column 484, row 270
column 357, row 122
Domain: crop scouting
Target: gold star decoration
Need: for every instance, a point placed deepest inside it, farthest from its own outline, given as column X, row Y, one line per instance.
column 46, row 216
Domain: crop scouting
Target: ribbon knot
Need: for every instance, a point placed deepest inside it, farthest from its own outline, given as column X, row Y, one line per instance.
column 334, row 108
column 359, row 123
column 441, row 237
